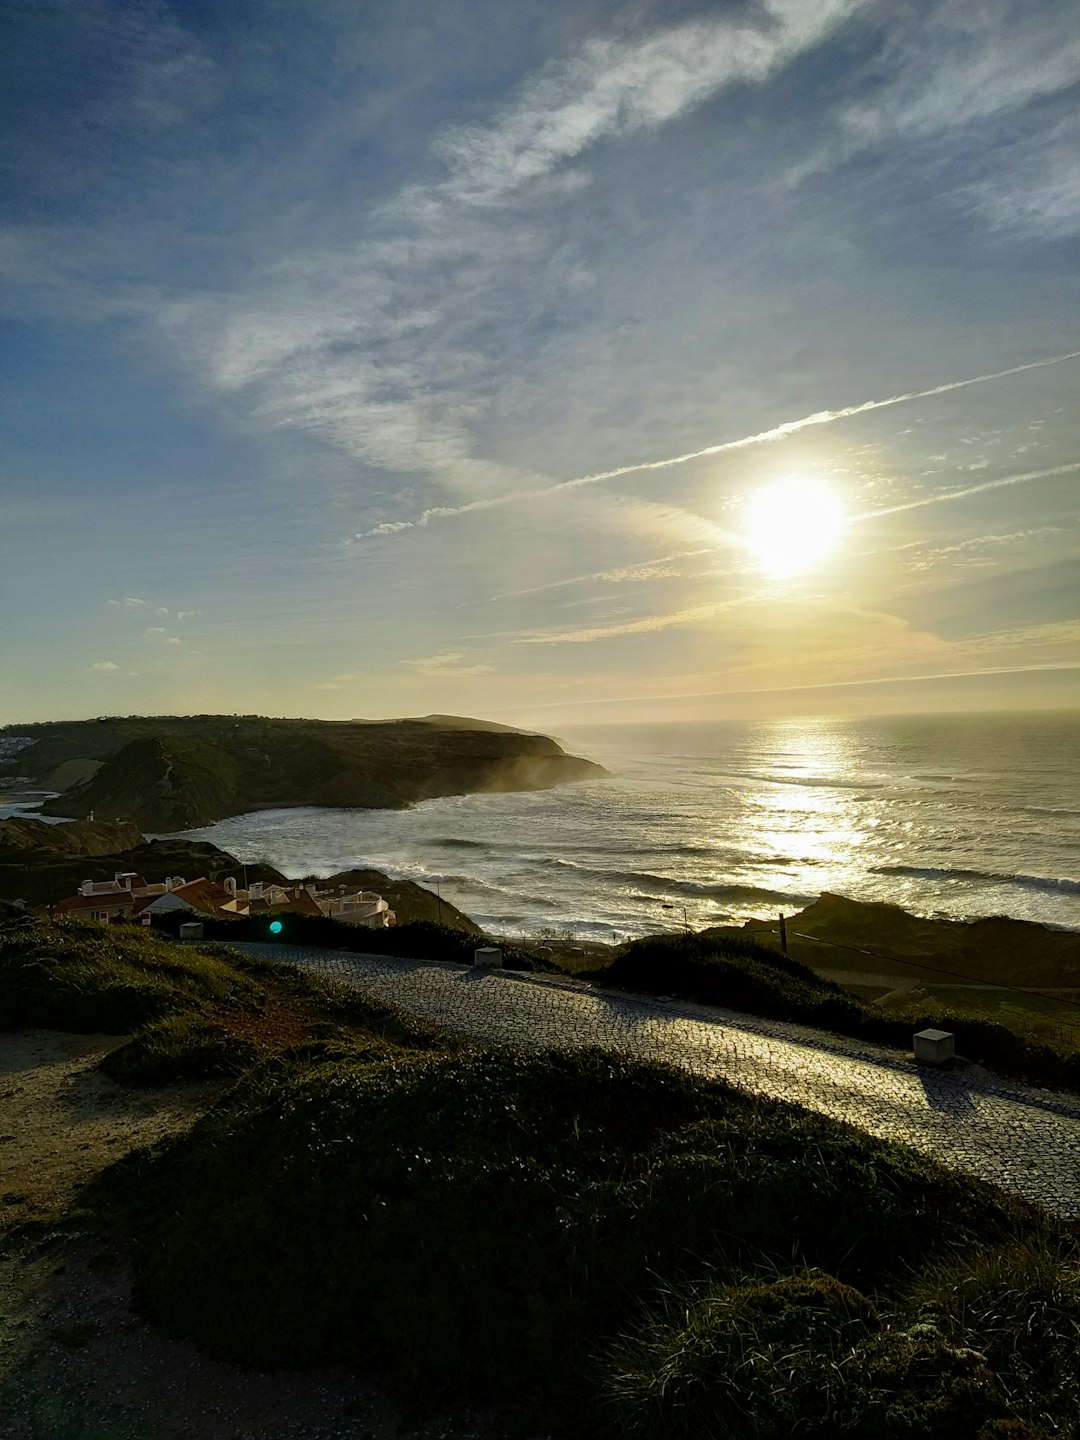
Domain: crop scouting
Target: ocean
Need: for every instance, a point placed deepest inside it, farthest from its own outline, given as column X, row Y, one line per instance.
column 703, row 824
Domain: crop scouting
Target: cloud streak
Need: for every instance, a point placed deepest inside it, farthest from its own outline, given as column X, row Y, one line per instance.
column 761, row 437
column 1002, row 484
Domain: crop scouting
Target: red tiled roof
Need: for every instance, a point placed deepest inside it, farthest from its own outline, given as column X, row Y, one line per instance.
column 117, row 900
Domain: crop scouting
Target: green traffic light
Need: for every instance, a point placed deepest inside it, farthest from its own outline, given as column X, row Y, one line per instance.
column 275, row 927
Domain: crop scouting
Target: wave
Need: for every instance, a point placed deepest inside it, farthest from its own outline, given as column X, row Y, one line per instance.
column 1050, row 884
column 735, row 891
column 813, row 782
column 451, row 842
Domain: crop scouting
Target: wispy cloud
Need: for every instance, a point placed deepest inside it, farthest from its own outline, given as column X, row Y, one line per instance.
column 384, row 349
column 966, row 70
column 763, row 437
column 129, row 602
column 446, row 663
column 646, row 625
column 103, row 665
column 942, row 496
column 659, row 568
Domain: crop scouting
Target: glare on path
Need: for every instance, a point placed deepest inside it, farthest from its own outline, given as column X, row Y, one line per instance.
column 1023, row 1139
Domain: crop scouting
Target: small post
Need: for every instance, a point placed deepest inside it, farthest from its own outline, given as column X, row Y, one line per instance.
column 783, row 935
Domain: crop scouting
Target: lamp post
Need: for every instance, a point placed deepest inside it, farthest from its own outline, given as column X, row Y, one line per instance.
column 685, row 921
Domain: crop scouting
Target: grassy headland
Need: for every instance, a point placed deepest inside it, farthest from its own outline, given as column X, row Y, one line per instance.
column 636, row 1251
column 168, row 773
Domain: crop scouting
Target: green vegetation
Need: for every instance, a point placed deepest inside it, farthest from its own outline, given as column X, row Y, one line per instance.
column 720, row 969
column 180, row 771
column 83, row 976
column 633, row 1250
column 186, row 1046
column 417, row 940
column 654, row 1255
column 194, row 1012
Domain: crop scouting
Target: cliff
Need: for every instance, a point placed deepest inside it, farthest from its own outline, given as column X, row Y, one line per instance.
column 174, row 773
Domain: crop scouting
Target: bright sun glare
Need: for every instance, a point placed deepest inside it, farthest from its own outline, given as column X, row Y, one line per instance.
column 792, row 525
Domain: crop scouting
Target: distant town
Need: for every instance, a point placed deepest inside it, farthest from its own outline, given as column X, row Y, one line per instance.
column 128, row 896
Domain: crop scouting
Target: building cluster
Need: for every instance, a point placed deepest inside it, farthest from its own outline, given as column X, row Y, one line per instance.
column 127, row 896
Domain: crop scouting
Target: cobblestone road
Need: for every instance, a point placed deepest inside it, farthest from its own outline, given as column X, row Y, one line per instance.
column 1023, row 1139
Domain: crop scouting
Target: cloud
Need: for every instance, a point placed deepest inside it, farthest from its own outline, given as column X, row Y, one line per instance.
column 646, row 625
column 659, row 568
column 446, row 662
column 989, row 82
column 1003, row 483
column 762, row 437
column 103, row 665
column 156, row 630
column 966, row 64
column 384, row 349
column 615, row 87
column 129, row 602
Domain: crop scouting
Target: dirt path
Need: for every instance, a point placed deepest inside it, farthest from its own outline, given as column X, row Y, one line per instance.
column 76, row 1362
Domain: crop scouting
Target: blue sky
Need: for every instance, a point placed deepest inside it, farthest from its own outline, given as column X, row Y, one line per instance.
column 312, row 310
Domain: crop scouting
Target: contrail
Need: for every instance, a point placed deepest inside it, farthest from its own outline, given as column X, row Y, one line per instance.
column 972, row 490
column 778, row 432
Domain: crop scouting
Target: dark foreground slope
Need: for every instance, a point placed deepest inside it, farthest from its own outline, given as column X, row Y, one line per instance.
column 178, row 772
column 622, row 1248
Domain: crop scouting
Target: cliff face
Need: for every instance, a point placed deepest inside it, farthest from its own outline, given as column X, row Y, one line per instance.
column 177, row 773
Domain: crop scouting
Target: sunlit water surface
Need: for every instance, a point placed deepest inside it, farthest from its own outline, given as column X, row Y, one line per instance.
column 963, row 816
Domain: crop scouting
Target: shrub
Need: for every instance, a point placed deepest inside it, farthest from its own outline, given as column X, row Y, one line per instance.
column 1020, row 1306
column 82, row 976
column 484, row 1220
column 178, row 1047
column 418, row 940
column 740, row 1360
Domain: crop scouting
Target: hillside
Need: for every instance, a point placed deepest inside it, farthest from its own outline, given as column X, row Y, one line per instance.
column 40, row 876
column 841, row 934
column 169, row 773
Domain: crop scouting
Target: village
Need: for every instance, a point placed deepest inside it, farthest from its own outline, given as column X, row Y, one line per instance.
column 128, row 896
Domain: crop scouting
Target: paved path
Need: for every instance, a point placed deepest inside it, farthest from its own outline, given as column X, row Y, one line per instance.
column 1021, row 1138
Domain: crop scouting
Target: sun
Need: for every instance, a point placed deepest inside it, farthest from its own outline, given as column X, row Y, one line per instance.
column 792, row 525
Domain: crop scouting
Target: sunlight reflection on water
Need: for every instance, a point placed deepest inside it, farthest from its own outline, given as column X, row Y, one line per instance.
column 735, row 820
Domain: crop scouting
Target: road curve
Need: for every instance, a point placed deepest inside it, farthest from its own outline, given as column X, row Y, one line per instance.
column 1023, row 1139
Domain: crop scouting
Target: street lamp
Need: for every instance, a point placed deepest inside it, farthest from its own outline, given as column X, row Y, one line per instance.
column 685, row 921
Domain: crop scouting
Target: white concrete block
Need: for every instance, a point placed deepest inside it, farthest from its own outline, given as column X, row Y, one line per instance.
column 488, row 957
column 193, row 930
column 935, row 1046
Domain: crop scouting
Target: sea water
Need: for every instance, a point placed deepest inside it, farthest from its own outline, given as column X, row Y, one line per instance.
column 955, row 815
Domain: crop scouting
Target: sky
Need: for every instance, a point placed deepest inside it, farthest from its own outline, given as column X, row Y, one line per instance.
column 563, row 361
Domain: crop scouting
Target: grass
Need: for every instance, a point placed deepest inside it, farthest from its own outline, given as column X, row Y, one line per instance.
column 83, row 976
column 488, row 1225
column 622, row 1246
column 416, row 940
column 189, row 1012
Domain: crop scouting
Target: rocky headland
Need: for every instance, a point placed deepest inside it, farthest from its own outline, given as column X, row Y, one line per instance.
column 170, row 773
